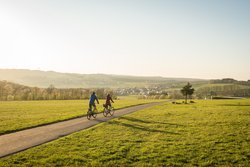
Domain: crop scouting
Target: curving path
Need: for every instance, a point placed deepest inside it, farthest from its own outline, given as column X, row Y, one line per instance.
column 25, row 139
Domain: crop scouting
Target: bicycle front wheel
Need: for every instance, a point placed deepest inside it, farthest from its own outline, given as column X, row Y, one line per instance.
column 112, row 111
column 94, row 115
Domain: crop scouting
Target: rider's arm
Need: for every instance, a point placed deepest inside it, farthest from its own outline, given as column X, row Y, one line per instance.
column 111, row 100
column 97, row 100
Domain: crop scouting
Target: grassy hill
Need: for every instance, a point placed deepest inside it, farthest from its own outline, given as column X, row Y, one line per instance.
column 70, row 80
column 206, row 133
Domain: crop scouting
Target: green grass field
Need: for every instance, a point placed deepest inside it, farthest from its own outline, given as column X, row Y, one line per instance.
column 17, row 115
column 207, row 133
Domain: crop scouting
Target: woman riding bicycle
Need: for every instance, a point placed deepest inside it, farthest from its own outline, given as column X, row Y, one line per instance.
column 108, row 101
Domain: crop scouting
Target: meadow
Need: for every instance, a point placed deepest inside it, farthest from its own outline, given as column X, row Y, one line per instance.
column 206, row 133
column 19, row 115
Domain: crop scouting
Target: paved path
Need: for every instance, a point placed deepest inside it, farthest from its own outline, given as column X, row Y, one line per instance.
column 22, row 140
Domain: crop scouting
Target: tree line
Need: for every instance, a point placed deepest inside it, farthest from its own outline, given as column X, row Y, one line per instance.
column 224, row 90
column 10, row 91
column 230, row 81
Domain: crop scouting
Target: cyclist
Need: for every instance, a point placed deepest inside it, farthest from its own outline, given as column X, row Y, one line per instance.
column 108, row 101
column 92, row 100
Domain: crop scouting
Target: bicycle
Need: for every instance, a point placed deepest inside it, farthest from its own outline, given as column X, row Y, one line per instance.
column 108, row 110
column 91, row 113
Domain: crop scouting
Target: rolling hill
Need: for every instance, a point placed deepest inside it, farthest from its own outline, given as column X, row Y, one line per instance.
column 71, row 80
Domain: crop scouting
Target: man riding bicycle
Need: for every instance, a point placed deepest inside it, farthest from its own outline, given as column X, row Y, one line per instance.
column 108, row 101
column 92, row 100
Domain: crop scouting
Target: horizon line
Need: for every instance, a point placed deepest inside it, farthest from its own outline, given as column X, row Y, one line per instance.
column 129, row 75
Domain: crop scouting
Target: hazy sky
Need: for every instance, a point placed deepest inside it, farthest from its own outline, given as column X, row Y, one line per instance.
column 188, row 38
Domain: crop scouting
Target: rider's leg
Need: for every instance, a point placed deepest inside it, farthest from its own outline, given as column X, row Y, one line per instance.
column 90, row 107
column 109, row 106
column 95, row 109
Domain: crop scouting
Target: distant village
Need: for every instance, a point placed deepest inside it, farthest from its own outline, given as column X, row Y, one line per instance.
column 224, row 87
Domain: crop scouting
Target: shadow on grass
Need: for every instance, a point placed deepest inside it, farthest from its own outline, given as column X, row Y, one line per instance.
column 148, row 122
column 140, row 127
column 235, row 105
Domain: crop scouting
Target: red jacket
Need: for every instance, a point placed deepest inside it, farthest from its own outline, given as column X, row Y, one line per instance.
column 108, row 100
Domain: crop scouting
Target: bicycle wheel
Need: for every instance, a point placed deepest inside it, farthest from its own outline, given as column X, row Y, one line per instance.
column 94, row 114
column 111, row 111
column 105, row 112
column 88, row 115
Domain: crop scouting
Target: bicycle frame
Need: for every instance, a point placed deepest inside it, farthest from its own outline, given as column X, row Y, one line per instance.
column 108, row 110
column 91, row 113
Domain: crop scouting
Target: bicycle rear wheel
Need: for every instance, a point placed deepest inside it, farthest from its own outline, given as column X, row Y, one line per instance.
column 105, row 112
column 88, row 115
